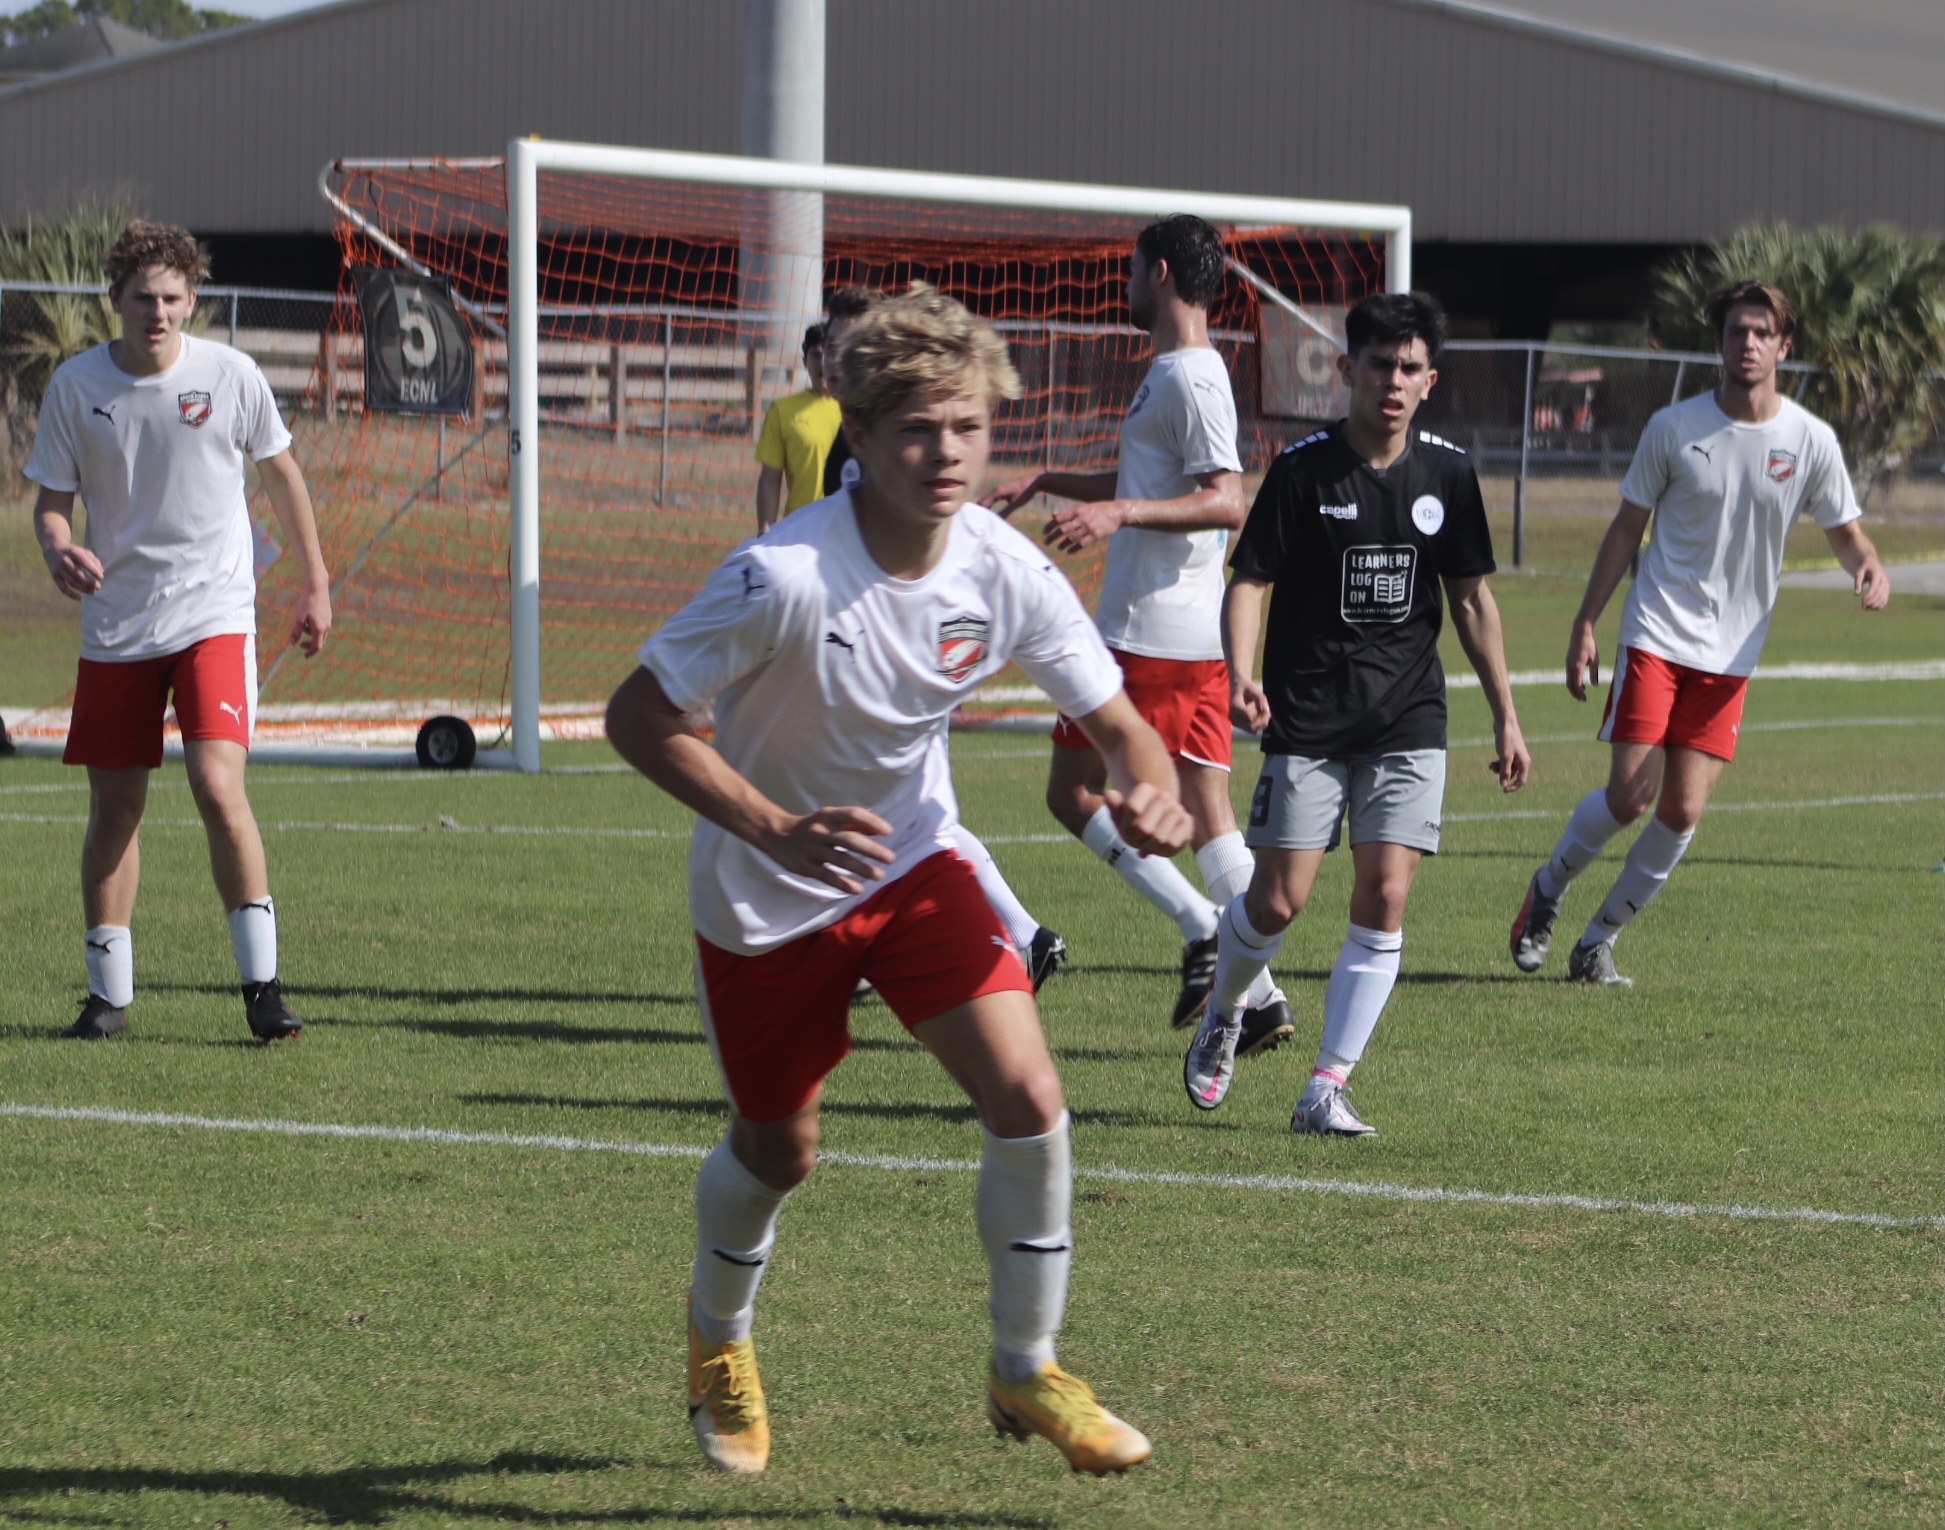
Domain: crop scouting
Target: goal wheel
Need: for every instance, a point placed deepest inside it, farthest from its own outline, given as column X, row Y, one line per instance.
column 446, row 743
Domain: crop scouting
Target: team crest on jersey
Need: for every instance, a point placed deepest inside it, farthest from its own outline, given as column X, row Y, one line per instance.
column 1782, row 466
column 193, row 409
column 962, row 645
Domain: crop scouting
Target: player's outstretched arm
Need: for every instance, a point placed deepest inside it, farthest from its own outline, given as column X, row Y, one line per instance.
column 837, row 846
column 1618, row 547
column 1242, row 623
column 1143, row 795
column 1217, row 504
column 1868, row 580
column 75, row 570
column 283, row 481
column 1015, row 492
column 1475, row 617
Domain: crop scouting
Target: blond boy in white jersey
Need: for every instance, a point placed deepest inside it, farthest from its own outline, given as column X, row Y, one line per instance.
column 1724, row 475
column 153, row 431
column 1166, row 511
column 834, row 650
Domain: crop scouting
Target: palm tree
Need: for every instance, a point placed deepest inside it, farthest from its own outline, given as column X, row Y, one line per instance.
column 40, row 330
column 1870, row 316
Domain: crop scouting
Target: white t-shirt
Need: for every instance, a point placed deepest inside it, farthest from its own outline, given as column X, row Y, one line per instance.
column 1724, row 495
column 833, row 684
column 1162, row 592
column 159, row 462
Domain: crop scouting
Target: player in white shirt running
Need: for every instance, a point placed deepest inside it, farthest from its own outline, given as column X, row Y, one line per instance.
column 1724, row 475
column 834, row 650
column 1166, row 511
column 153, row 432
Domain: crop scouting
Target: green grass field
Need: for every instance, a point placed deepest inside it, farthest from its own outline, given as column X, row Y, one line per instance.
column 247, row 1328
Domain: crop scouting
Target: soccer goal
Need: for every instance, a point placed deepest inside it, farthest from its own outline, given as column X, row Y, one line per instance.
column 633, row 314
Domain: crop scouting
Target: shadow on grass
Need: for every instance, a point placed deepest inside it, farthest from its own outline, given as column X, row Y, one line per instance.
column 377, row 1495
column 300, row 991
column 1322, row 975
column 961, row 1114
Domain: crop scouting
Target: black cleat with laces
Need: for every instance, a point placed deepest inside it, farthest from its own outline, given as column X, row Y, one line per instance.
column 271, row 1019
column 1198, row 977
column 1266, row 1029
column 98, row 1020
column 1045, row 956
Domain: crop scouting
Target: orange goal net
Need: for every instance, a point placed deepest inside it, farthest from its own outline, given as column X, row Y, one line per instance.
column 669, row 316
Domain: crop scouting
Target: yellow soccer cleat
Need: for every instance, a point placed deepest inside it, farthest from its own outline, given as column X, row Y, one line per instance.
column 1063, row 1409
column 726, row 1403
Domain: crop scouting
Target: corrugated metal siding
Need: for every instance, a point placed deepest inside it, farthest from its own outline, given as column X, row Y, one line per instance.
column 1488, row 133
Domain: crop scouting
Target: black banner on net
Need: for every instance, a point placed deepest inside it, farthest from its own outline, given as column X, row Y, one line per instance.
column 418, row 353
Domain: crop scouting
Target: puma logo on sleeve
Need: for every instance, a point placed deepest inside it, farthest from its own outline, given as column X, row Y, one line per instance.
column 105, row 414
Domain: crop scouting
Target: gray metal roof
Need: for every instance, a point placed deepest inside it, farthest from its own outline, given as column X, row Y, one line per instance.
column 1492, row 128
column 88, row 43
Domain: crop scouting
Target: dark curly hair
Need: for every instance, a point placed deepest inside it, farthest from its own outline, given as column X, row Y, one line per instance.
column 1396, row 317
column 143, row 244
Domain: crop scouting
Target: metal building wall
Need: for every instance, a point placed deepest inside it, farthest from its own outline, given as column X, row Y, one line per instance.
column 1490, row 132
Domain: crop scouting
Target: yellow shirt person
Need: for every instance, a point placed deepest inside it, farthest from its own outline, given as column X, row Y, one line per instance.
column 796, row 438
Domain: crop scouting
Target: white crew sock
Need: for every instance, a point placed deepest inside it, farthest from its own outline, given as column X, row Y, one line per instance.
column 1360, row 984
column 1026, row 1192
column 253, row 940
column 1153, row 876
column 110, row 951
column 1588, row 830
column 1021, row 925
column 1243, row 957
column 736, row 1227
column 1654, row 854
column 1227, row 867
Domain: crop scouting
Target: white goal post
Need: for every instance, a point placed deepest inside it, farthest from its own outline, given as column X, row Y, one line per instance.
column 527, row 157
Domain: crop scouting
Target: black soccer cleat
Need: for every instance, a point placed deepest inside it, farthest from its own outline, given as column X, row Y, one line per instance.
column 1198, row 977
column 98, row 1020
column 271, row 1019
column 1532, row 935
column 1045, row 955
column 1266, row 1029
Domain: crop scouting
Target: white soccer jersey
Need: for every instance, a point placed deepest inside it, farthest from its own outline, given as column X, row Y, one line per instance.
column 1724, row 495
column 833, row 684
column 159, row 463
column 1162, row 592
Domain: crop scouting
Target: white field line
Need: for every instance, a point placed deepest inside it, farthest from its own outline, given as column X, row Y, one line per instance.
column 449, row 825
column 894, row 1163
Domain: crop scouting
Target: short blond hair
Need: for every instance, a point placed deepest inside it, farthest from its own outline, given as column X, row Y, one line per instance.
column 920, row 342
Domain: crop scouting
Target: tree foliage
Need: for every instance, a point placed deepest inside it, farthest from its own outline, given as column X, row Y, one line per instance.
column 165, row 20
column 1870, row 316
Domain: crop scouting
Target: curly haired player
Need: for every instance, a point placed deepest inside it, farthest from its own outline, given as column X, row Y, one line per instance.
column 153, row 432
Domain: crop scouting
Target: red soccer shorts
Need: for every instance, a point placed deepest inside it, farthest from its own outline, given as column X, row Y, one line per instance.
column 1184, row 700
column 1652, row 700
column 118, row 708
column 778, row 1023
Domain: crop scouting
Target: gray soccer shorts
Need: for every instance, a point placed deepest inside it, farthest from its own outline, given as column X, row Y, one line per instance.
column 1396, row 799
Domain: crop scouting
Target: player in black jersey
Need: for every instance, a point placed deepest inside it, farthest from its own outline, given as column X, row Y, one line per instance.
column 1358, row 526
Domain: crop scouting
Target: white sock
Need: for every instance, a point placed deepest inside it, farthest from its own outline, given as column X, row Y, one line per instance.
column 110, row 951
column 253, row 940
column 736, row 1227
column 1026, row 1192
column 1153, row 876
column 1588, row 830
column 1226, row 866
column 1021, row 925
column 1360, row 984
column 1651, row 858
column 1243, row 957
